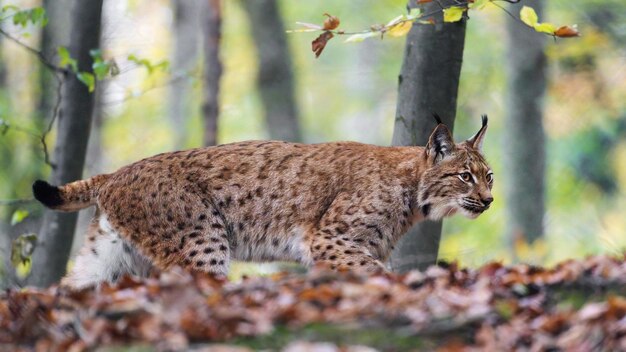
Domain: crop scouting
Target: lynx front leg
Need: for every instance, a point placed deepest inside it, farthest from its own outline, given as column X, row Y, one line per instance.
column 355, row 233
column 338, row 256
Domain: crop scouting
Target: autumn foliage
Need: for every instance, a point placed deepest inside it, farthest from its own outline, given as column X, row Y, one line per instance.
column 402, row 24
column 575, row 305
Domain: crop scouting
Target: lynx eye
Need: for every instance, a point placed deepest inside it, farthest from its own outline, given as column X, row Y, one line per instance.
column 466, row 177
column 489, row 178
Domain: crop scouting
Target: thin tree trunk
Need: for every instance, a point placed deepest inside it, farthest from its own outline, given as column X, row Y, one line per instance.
column 55, row 238
column 275, row 80
column 428, row 82
column 3, row 68
column 185, row 56
column 524, row 139
column 212, row 23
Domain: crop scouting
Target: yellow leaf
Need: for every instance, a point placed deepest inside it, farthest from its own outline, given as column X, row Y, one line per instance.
column 400, row 29
column 548, row 28
column 529, row 16
column 23, row 269
column 453, row 14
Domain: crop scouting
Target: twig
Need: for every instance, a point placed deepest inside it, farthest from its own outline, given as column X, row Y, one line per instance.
column 55, row 115
column 172, row 80
column 382, row 29
column 42, row 58
column 9, row 202
column 507, row 11
column 60, row 74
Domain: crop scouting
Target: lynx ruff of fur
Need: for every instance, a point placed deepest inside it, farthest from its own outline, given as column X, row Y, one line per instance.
column 340, row 204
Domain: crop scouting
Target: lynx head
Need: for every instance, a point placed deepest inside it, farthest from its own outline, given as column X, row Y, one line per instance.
column 457, row 179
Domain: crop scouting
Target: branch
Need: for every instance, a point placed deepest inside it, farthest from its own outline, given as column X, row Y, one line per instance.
column 55, row 115
column 9, row 202
column 174, row 79
column 60, row 74
column 455, row 11
column 42, row 58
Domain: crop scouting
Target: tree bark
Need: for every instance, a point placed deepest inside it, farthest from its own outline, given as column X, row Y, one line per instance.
column 275, row 80
column 428, row 82
column 524, row 139
column 55, row 238
column 212, row 36
column 184, row 58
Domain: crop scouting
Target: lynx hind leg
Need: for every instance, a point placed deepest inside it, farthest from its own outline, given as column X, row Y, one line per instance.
column 205, row 247
column 105, row 256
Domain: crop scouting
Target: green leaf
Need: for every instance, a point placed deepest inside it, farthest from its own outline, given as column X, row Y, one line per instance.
column 529, row 16
column 36, row 15
column 20, row 18
column 96, row 54
column 65, row 59
column 88, row 79
column 163, row 65
column 18, row 216
column 101, row 69
column 7, row 8
column 453, row 14
column 355, row 38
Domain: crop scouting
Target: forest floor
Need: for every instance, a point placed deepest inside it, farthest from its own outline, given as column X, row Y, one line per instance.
column 576, row 305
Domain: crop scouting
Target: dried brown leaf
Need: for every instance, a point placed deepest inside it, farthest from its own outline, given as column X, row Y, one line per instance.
column 567, row 32
column 320, row 42
column 331, row 22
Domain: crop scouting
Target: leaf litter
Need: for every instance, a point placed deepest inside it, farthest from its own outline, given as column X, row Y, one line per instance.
column 495, row 307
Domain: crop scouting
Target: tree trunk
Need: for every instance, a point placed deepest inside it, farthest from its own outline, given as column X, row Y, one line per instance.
column 184, row 58
column 55, row 238
column 212, row 23
column 524, row 139
column 275, row 78
column 428, row 82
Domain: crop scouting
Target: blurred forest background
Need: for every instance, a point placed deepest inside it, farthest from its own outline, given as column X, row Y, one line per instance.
column 348, row 93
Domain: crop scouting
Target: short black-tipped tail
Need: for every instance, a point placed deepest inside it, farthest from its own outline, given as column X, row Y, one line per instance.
column 47, row 194
column 73, row 196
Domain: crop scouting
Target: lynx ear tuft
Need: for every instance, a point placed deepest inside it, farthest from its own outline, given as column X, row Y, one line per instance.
column 476, row 141
column 437, row 118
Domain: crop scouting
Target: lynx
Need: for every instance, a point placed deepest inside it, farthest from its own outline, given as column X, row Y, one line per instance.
column 343, row 205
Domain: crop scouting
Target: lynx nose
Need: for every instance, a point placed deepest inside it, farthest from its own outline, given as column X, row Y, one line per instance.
column 487, row 201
